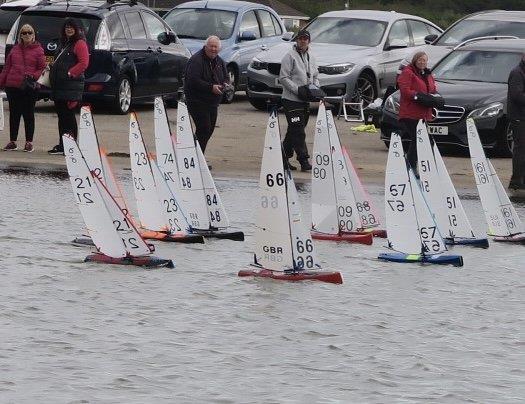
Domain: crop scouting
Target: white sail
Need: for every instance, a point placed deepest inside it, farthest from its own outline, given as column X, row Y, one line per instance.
column 324, row 201
column 401, row 221
column 89, row 200
column 347, row 213
column 303, row 250
column 191, row 185
column 272, row 236
column 217, row 214
column 367, row 212
column 148, row 204
column 495, row 201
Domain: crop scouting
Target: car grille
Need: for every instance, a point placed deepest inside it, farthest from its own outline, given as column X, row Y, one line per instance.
column 274, row 68
column 446, row 115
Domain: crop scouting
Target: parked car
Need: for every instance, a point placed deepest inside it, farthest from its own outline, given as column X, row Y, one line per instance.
column 9, row 12
column 481, row 24
column 244, row 29
column 358, row 53
column 134, row 54
column 473, row 81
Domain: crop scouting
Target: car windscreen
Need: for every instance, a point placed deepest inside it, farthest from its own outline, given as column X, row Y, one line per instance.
column 7, row 18
column 199, row 23
column 476, row 65
column 347, row 31
column 468, row 29
column 47, row 26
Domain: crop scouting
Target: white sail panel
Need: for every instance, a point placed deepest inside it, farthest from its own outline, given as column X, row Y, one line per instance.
column 303, row 250
column 112, row 184
column 190, row 179
column 457, row 220
column 88, row 142
column 401, row 223
column 347, row 214
column 485, row 184
column 164, row 146
column 89, row 200
column 431, row 240
column 216, row 211
column 272, row 236
column 148, row 205
column 368, row 216
column 134, row 244
column 324, row 203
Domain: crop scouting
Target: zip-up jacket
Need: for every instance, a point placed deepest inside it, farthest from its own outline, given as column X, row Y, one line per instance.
column 23, row 60
column 297, row 69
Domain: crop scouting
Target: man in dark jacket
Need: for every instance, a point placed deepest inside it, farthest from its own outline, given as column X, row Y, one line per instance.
column 516, row 115
column 206, row 79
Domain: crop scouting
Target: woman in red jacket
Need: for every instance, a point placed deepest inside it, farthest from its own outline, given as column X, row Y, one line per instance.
column 25, row 61
column 414, row 80
column 67, row 79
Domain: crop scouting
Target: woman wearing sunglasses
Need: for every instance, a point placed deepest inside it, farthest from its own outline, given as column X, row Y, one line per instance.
column 23, row 67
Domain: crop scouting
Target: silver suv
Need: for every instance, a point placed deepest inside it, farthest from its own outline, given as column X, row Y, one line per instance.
column 358, row 53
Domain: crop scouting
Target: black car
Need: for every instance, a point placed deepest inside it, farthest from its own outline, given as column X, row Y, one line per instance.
column 134, row 54
column 473, row 81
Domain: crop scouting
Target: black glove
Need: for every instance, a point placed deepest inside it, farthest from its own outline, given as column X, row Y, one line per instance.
column 303, row 93
column 429, row 100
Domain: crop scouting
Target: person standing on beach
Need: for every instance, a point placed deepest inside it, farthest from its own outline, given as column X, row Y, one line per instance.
column 516, row 115
column 206, row 78
column 298, row 71
column 67, row 79
column 23, row 67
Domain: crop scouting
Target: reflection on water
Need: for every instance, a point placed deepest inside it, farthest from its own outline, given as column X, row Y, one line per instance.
column 76, row 332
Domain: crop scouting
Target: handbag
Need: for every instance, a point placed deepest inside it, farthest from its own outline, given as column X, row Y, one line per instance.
column 311, row 93
column 430, row 100
column 29, row 84
column 45, row 78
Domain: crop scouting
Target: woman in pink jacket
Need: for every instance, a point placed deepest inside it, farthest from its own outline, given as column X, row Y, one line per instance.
column 24, row 64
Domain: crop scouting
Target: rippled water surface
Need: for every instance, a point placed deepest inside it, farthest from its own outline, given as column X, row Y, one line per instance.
column 392, row 333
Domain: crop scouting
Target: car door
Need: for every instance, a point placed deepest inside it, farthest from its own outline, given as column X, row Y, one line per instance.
column 397, row 46
column 248, row 49
column 119, row 45
column 140, row 51
column 170, row 58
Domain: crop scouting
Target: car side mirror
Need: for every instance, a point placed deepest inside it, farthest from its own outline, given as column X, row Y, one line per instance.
column 396, row 44
column 430, row 38
column 247, row 36
column 166, row 38
column 287, row 36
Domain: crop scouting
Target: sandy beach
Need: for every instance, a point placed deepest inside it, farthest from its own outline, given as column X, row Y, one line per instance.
column 234, row 150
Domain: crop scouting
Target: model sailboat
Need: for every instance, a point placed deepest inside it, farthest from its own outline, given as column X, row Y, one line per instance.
column 412, row 231
column 113, row 233
column 502, row 219
column 441, row 195
column 159, row 211
column 199, row 196
column 284, row 248
column 335, row 214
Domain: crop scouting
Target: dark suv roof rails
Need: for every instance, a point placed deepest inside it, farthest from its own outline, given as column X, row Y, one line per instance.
column 110, row 3
column 484, row 38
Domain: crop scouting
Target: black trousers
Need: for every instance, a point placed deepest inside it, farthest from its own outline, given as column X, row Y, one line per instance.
column 518, row 153
column 205, row 117
column 410, row 126
column 21, row 104
column 67, row 122
column 297, row 114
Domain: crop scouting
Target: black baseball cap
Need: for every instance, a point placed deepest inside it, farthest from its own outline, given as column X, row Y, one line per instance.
column 303, row 34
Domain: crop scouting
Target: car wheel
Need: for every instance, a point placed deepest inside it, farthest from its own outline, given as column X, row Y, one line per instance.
column 365, row 90
column 228, row 96
column 505, row 142
column 259, row 103
column 122, row 101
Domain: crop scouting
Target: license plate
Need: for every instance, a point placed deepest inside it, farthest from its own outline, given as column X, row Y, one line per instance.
column 278, row 83
column 50, row 59
column 438, row 130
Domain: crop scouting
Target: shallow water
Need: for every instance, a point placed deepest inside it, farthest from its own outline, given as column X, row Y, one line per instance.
column 392, row 333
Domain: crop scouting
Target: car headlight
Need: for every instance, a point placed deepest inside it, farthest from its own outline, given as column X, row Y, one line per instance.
column 391, row 105
column 339, row 68
column 488, row 111
column 259, row 65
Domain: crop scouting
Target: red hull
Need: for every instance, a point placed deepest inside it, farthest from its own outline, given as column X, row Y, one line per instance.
column 517, row 238
column 363, row 238
column 146, row 261
column 329, row 277
column 380, row 233
column 160, row 236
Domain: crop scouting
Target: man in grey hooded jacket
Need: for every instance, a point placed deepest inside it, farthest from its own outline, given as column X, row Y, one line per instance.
column 298, row 70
